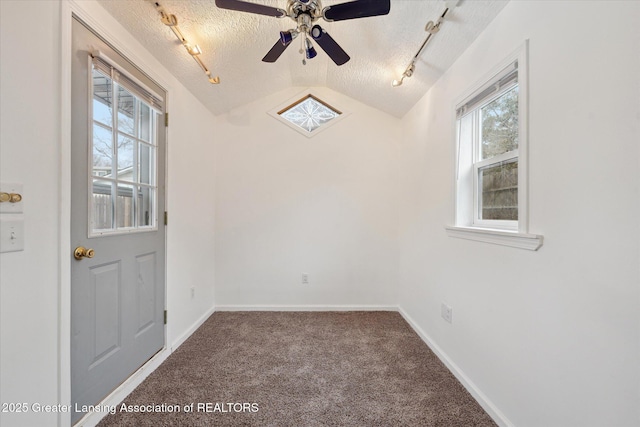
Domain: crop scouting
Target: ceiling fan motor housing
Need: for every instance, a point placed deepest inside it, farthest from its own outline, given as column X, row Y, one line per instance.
column 304, row 12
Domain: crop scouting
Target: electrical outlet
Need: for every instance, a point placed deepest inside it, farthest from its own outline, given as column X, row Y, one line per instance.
column 305, row 279
column 446, row 312
column 193, row 292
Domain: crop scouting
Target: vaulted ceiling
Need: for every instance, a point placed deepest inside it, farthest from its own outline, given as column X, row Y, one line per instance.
column 234, row 43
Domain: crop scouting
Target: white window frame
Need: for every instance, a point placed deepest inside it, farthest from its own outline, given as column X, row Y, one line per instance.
column 467, row 221
column 479, row 165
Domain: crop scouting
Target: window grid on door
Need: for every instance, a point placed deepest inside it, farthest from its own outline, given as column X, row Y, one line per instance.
column 123, row 141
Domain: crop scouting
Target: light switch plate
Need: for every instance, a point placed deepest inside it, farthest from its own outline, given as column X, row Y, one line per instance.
column 11, row 235
column 8, row 207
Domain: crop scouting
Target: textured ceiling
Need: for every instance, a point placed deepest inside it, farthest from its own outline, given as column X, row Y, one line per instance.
column 233, row 44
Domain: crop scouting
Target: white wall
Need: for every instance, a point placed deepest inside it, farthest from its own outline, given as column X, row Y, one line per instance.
column 34, row 283
column 30, row 154
column 287, row 204
column 550, row 337
column 190, row 243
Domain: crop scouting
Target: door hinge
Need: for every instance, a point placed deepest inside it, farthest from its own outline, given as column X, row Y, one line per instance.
column 166, row 120
column 165, row 317
column 166, row 218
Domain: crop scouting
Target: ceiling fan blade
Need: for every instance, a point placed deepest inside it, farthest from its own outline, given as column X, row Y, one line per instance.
column 244, row 6
column 356, row 9
column 275, row 52
column 329, row 45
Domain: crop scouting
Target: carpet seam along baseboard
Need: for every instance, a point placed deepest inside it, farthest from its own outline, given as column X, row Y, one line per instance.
column 306, row 308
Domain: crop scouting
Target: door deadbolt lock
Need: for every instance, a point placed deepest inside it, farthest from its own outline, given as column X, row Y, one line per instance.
column 82, row 252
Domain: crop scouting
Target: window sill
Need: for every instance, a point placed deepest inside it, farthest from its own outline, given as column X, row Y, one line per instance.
column 531, row 242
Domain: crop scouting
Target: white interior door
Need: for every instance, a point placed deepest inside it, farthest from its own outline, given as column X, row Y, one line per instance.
column 117, row 216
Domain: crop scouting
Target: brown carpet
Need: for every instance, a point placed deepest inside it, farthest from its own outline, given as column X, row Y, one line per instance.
column 303, row 369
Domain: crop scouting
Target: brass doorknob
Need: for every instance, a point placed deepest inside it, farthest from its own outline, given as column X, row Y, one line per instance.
column 82, row 252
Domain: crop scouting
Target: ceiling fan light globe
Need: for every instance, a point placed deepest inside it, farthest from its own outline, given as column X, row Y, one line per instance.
column 316, row 32
column 311, row 53
column 287, row 37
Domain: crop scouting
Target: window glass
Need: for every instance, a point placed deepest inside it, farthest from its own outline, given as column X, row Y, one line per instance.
column 102, row 106
column 125, row 158
column 145, row 122
column 102, row 150
column 500, row 125
column 125, row 206
column 146, row 196
column 146, row 162
column 309, row 113
column 499, row 192
column 101, row 205
column 126, row 111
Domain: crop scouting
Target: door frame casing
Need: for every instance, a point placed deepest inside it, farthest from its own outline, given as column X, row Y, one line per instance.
column 87, row 12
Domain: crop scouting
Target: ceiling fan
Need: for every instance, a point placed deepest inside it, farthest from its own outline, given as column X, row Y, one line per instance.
column 305, row 13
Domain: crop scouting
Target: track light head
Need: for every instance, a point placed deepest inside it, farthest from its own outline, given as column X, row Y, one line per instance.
column 168, row 19
column 193, row 49
column 409, row 71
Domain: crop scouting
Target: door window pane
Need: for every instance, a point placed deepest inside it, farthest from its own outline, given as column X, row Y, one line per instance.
column 499, row 191
column 145, row 206
column 126, row 111
column 500, row 125
column 146, row 164
column 125, row 206
column 102, row 161
column 102, row 98
column 125, row 158
column 101, row 205
column 145, row 122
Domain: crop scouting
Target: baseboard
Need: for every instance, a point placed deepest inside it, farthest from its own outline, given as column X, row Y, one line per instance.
column 120, row 393
column 478, row 395
column 309, row 307
column 182, row 338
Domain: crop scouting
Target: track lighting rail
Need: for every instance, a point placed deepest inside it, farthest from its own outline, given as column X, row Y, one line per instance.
column 431, row 28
